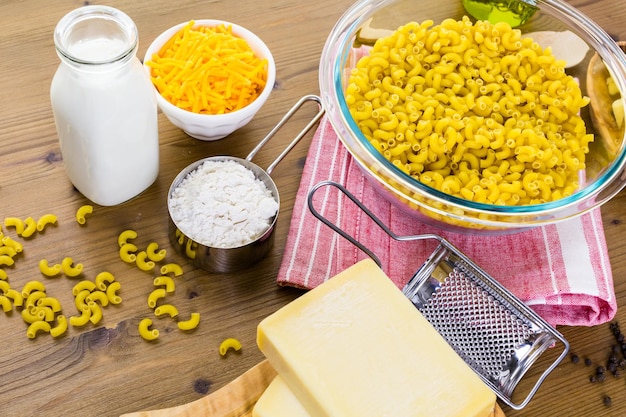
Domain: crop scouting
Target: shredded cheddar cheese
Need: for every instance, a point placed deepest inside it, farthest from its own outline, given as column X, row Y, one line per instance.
column 208, row 70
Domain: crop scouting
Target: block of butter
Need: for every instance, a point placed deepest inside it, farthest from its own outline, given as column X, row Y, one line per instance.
column 356, row 346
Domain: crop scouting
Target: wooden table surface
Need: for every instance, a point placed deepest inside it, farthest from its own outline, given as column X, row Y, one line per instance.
column 108, row 370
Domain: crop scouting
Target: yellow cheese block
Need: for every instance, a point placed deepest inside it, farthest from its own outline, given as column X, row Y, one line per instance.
column 278, row 401
column 356, row 346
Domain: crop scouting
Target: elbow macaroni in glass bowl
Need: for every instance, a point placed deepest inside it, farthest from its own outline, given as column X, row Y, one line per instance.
column 472, row 125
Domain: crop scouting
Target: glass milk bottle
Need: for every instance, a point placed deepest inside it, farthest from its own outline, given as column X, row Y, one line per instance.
column 104, row 106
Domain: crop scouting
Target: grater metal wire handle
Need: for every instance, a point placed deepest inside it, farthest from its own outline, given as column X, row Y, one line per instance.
column 467, row 306
column 369, row 213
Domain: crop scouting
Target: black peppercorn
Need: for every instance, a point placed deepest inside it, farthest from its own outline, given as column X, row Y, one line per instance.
column 588, row 362
column 607, row 400
column 575, row 358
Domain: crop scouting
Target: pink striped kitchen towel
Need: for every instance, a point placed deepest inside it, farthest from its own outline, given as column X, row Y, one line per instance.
column 562, row 271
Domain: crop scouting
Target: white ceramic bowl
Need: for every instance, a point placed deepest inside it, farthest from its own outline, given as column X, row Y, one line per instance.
column 206, row 126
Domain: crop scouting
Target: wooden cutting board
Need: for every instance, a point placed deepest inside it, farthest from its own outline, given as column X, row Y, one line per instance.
column 233, row 400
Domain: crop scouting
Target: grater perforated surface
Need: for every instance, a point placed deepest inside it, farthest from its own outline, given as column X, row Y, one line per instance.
column 479, row 327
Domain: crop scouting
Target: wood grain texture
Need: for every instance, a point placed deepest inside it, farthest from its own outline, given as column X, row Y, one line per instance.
column 108, row 370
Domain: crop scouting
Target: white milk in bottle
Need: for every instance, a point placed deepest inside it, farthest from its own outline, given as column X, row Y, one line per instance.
column 104, row 106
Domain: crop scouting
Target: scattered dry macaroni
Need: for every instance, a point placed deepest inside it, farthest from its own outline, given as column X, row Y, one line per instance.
column 61, row 326
column 155, row 296
column 5, row 303
column 37, row 326
column 32, row 286
column 127, row 253
column 96, row 312
column 84, row 285
column 229, row 343
column 7, row 241
column 8, row 251
column 82, row 212
column 80, row 300
column 16, row 223
column 143, row 262
column 473, row 110
column 145, row 331
column 47, row 270
column 69, row 269
column 111, row 292
column 125, row 236
column 30, row 227
column 14, row 295
column 31, row 315
column 45, row 220
column 166, row 309
column 103, row 280
column 172, row 268
column 6, row 260
column 191, row 323
column 83, row 319
column 165, row 281
column 154, row 254
column 31, row 299
column 52, row 302
column 99, row 296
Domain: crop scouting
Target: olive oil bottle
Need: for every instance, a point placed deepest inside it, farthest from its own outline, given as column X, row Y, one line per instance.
column 513, row 12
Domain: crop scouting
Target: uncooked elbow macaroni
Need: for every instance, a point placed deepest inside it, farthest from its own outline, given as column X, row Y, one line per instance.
column 32, row 286
column 82, row 319
column 37, row 326
column 153, row 252
column 61, row 326
column 111, row 292
column 69, row 268
column 172, row 268
column 166, row 282
column 45, row 220
column 229, row 343
column 142, row 261
column 191, row 323
column 17, row 246
column 47, row 270
column 473, row 110
column 5, row 303
column 125, row 236
column 166, row 309
column 103, row 280
column 145, row 331
column 16, row 223
column 82, row 213
column 127, row 253
column 84, row 285
column 155, row 296
column 30, row 227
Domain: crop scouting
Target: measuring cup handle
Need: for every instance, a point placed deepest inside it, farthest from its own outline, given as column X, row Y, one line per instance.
column 281, row 123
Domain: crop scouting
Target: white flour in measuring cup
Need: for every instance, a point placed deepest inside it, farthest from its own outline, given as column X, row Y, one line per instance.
column 222, row 204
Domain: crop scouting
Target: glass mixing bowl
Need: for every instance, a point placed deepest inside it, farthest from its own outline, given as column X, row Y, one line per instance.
column 604, row 175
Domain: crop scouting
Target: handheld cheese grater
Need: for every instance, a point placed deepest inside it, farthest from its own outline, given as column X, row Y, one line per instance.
column 493, row 331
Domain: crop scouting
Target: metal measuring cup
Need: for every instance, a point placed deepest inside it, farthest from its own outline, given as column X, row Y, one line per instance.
column 231, row 259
